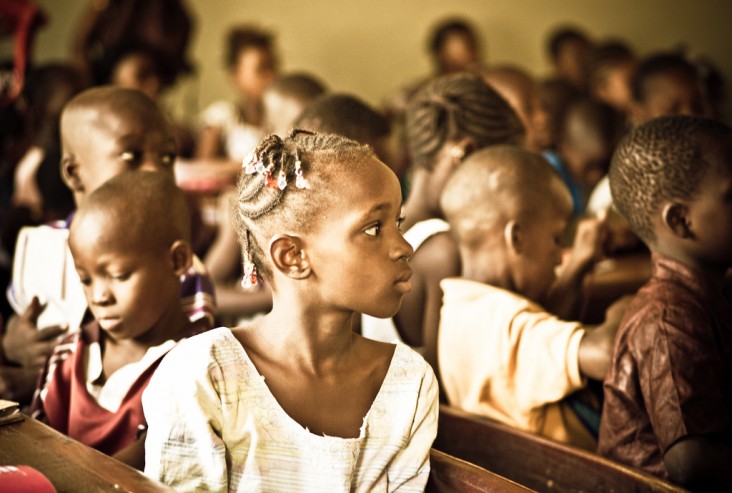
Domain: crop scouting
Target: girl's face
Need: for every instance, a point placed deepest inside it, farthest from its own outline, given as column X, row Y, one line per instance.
column 254, row 72
column 357, row 252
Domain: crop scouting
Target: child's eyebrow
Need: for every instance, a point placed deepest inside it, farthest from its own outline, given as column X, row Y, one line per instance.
column 384, row 206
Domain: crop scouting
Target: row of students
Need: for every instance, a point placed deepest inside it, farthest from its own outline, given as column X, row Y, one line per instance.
column 440, row 147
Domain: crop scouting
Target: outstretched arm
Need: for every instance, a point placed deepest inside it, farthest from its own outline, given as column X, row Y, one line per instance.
column 596, row 347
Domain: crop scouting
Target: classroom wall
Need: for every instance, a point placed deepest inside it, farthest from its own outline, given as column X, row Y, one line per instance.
column 370, row 47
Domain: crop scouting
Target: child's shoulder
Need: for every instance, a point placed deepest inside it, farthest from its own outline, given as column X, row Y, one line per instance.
column 202, row 349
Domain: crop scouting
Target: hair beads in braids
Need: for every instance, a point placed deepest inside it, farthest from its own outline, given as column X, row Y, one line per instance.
column 456, row 106
column 284, row 185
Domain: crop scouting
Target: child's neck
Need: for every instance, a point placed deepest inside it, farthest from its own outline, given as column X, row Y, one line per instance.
column 713, row 274
column 313, row 340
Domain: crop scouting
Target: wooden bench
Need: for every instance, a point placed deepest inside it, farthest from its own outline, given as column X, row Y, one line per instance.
column 535, row 462
column 69, row 465
column 449, row 474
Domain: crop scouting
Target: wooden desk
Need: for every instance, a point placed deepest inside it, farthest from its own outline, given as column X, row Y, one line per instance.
column 449, row 474
column 68, row 464
column 536, row 462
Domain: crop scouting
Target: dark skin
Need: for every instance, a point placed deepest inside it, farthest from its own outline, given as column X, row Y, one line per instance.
column 305, row 348
column 294, row 380
column 688, row 232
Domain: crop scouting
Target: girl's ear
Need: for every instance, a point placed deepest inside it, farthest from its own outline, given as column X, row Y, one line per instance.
column 289, row 257
column 70, row 173
column 676, row 219
column 181, row 254
column 513, row 237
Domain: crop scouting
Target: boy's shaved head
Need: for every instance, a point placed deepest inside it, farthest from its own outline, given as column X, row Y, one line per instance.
column 108, row 130
column 112, row 99
column 141, row 208
column 498, row 184
column 659, row 161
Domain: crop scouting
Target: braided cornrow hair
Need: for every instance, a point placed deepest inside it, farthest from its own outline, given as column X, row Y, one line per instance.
column 455, row 106
column 283, row 185
column 661, row 160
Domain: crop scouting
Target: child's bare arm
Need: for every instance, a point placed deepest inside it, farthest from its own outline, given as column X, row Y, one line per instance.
column 596, row 347
column 700, row 463
column 565, row 296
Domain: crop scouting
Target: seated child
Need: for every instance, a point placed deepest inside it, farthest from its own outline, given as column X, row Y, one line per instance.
column 130, row 243
column 104, row 131
column 295, row 400
column 668, row 395
column 609, row 74
column 589, row 132
column 231, row 130
column 501, row 354
column 286, row 98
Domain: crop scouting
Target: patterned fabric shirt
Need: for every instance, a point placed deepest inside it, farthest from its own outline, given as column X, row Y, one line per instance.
column 215, row 426
column 671, row 375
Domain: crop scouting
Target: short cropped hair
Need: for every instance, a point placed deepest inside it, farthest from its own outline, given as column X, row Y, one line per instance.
column 300, row 86
column 148, row 206
column 563, row 35
column 455, row 106
column 659, row 161
column 243, row 37
column 447, row 28
column 658, row 64
column 345, row 115
column 496, row 184
column 605, row 57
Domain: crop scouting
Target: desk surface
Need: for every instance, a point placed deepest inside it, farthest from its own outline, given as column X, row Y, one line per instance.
column 68, row 464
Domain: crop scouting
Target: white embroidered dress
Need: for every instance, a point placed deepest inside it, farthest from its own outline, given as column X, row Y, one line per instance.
column 215, row 426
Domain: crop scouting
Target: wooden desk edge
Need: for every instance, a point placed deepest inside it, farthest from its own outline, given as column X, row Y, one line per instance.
column 118, row 475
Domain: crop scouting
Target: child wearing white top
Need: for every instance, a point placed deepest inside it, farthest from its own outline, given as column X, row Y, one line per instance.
column 296, row 400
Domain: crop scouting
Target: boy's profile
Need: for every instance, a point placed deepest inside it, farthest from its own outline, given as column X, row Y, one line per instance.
column 130, row 243
column 668, row 395
column 501, row 354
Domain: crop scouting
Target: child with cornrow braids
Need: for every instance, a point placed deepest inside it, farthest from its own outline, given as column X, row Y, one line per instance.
column 448, row 119
column 296, row 401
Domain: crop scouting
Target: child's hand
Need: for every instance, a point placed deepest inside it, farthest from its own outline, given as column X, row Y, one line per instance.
column 24, row 343
column 588, row 240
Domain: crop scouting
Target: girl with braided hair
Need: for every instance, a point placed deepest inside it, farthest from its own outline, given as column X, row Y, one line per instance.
column 447, row 119
column 296, row 401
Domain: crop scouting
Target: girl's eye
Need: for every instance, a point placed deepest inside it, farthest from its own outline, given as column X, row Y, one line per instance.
column 121, row 277
column 373, row 230
column 131, row 156
column 399, row 222
column 85, row 280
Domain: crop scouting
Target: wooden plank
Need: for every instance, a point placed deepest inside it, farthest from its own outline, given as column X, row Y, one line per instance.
column 449, row 474
column 536, row 462
column 70, row 465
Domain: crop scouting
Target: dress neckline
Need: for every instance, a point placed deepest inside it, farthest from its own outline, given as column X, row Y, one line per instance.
column 290, row 422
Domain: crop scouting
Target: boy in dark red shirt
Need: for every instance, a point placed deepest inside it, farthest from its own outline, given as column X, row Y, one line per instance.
column 668, row 396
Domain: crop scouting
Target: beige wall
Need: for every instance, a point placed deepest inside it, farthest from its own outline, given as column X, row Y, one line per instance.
column 369, row 47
